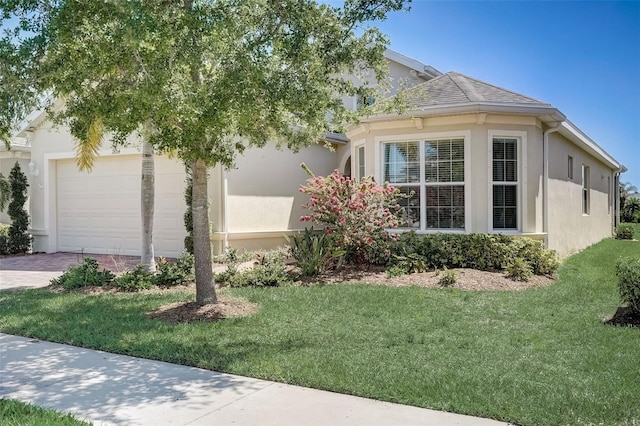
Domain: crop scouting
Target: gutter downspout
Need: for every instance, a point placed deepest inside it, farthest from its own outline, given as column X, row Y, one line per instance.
column 545, row 182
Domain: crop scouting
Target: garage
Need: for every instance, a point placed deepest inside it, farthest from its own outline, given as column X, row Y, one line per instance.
column 99, row 211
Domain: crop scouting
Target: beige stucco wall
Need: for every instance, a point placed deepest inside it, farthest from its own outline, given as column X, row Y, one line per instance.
column 262, row 201
column 569, row 229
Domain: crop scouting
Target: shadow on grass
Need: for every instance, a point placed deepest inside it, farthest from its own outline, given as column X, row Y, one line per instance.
column 106, row 387
column 625, row 316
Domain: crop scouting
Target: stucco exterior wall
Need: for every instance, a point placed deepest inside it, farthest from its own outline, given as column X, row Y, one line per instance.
column 569, row 229
column 262, row 201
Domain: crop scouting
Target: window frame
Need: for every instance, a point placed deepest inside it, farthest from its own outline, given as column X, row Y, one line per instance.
column 570, row 167
column 420, row 186
column 520, row 184
column 586, row 190
column 361, row 161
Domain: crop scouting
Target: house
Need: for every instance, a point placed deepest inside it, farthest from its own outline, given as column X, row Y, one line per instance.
column 476, row 157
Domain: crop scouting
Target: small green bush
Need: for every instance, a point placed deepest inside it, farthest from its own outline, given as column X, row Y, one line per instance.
column 313, row 252
column 83, row 275
column 519, row 270
column 542, row 261
column 270, row 271
column 134, row 280
column 625, row 231
column 448, row 277
column 409, row 264
column 628, row 273
column 175, row 273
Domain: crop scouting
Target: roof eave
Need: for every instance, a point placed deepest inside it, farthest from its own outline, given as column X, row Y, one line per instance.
column 546, row 113
column 577, row 136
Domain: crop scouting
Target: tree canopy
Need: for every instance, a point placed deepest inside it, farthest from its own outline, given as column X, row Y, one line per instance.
column 207, row 79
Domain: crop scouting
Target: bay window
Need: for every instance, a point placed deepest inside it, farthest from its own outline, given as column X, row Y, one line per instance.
column 433, row 173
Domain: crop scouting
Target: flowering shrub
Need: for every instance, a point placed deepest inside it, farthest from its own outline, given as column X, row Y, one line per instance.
column 356, row 212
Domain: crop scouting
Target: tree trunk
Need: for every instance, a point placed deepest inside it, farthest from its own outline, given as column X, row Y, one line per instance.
column 205, row 291
column 147, row 200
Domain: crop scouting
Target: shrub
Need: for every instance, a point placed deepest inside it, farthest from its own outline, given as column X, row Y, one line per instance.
column 134, row 280
column 269, row 272
column 448, row 277
column 83, row 275
column 358, row 213
column 628, row 273
column 625, row 231
column 18, row 238
column 542, row 261
column 4, row 238
column 409, row 264
column 180, row 272
column 313, row 252
column 485, row 252
column 519, row 269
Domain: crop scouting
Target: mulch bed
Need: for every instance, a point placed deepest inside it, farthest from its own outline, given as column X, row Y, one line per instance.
column 188, row 312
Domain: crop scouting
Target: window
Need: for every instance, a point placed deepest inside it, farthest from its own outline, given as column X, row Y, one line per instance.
column 570, row 167
column 585, row 189
column 444, row 180
column 361, row 168
column 505, row 183
column 609, row 201
column 433, row 173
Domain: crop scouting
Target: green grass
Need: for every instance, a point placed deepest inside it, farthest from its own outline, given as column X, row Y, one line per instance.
column 15, row 413
column 541, row 356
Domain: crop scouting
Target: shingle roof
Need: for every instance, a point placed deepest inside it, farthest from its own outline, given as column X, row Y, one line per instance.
column 454, row 88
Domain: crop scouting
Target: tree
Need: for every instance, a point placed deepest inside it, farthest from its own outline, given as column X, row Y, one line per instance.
column 631, row 210
column 625, row 189
column 18, row 236
column 210, row 77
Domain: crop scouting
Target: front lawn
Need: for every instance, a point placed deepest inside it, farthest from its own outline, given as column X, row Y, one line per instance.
column 538, row 356
column 16, row 413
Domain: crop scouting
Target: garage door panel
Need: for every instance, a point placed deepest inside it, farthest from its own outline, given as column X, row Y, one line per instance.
column 99, row 212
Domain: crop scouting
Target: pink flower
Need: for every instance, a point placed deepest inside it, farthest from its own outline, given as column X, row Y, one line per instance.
column 343, row 219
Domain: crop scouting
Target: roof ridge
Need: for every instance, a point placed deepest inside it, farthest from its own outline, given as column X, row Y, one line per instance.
column 494, row 86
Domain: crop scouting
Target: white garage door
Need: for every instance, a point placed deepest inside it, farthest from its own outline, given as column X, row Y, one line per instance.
column 99, row 212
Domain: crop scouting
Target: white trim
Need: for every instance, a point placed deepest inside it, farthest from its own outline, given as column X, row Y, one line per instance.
column 357, row 148
column 521, row 184
column 421, row 138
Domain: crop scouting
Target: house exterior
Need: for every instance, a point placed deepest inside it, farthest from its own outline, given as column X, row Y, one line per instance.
column 476, row 157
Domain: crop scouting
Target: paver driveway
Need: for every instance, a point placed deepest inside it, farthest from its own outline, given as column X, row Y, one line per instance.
column 36, row 270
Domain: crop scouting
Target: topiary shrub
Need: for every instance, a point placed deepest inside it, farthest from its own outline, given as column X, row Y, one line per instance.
column 625, row 231
column 628, row 273
column 188, row 214
column 86, row 274
column 18, row 238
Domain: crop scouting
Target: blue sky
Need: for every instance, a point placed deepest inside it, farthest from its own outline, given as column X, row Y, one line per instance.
column 583, row 57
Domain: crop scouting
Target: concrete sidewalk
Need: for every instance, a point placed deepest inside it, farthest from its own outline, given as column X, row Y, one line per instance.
column 114, row 389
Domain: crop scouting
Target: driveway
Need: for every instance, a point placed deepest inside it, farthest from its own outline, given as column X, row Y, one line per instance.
column 36, row 270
